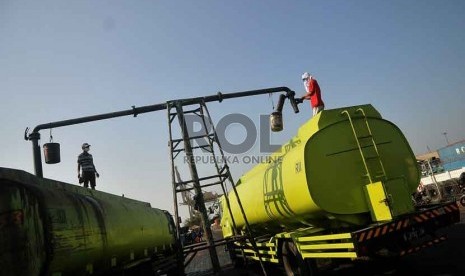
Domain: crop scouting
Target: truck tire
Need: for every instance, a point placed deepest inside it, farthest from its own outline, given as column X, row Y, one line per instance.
column 462, row 200
column 294, row 264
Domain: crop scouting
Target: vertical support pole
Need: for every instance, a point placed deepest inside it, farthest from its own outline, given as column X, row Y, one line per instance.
column 35, row 137
column 173, row 177
column 179, row 244
column 198, row 190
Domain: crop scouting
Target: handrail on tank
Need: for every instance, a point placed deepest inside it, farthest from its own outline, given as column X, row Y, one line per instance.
column 34, row 136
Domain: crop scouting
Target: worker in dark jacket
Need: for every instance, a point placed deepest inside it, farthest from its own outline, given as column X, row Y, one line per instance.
column 86, row 163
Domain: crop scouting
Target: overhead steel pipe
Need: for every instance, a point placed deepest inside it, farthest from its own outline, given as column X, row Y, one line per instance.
column 34, row 136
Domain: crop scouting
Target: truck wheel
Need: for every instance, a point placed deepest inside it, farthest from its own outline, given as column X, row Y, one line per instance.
column 462, row 201
column 294, row 264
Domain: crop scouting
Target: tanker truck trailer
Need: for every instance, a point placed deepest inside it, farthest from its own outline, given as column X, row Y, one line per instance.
column 340, row 190
column 49, row 227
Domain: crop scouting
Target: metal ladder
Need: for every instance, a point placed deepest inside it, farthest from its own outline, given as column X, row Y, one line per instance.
column 196, row 183
column 367, row 147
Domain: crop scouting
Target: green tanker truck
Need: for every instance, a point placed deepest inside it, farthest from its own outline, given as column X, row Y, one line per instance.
column 53, row 228
column 340, row 189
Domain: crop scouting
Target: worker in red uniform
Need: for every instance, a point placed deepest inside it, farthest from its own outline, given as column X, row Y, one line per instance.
column 313, row 93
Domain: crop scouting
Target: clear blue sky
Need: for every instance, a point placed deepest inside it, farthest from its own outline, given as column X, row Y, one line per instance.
column 67, row 59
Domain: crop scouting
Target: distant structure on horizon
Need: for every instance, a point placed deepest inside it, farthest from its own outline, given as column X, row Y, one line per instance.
column 450, row 157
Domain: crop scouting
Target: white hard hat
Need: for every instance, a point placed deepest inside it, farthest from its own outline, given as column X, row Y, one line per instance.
column 305, row 76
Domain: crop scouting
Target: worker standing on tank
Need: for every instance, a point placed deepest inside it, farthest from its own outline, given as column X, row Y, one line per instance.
column 86, row 163
column 313, row 93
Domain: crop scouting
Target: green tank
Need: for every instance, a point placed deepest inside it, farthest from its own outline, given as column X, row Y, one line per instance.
column 49, row 227
column 324, row 176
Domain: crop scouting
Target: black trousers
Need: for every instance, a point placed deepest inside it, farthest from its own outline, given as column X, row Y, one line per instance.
column 89, row 177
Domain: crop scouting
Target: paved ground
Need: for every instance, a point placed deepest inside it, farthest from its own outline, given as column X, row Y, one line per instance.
column 445, row 259
column 201, row 265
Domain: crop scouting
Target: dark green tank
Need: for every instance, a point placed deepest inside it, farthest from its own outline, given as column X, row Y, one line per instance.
column 49, row 227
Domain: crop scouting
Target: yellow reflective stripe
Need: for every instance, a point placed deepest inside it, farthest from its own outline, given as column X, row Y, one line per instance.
column 260, row 252
column 330, row 255
column 325, row 237
column 265, row 259
column 263, row 244
column 327, row 246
